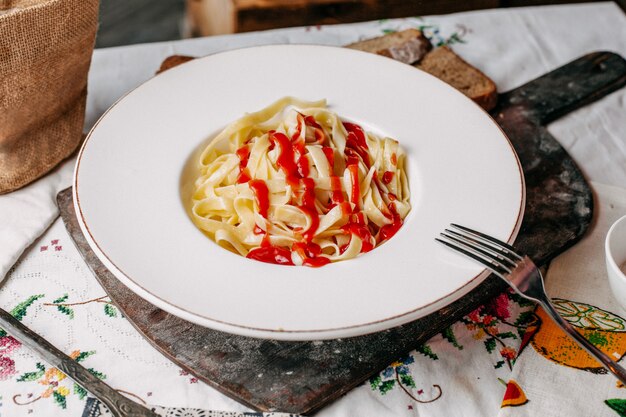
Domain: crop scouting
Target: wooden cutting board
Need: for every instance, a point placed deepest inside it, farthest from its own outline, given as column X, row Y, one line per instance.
column 301, row 377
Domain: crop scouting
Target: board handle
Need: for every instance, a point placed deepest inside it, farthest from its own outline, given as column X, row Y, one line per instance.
column 569, row 87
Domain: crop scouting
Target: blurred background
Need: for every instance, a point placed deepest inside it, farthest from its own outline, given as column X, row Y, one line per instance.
column 124, row 22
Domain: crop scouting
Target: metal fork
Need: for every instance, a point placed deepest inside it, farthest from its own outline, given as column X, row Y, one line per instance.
column 118, row 405
column 523, row 276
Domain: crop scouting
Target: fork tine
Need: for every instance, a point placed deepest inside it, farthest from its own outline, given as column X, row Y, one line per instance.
column 504, row 247
column 469, row 253
column 481, row 248
column 502, row 255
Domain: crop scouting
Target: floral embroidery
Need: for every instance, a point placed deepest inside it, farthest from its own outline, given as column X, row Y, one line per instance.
column 63, row 308
column 494, row 324
column 56, row 382
column 485, row 327
column 397, row 374
column 7, row 366
column 489, row 323
column 500, row 306
column 587, row 316
column 192, row 379
column 433, row 33
column 449, row 335
column 514, row 396
column 604, row 329
column 618, row 405
column 19, row 312
column 8, row 344
column 53, row 243
column 426, row 350
column 66, row 308
column 508, row 353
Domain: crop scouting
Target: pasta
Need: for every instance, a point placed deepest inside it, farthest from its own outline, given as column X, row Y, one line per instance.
column 293, row 184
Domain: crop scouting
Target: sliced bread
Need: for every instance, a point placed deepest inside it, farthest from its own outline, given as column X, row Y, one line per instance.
column 172, row 61
column 444, row 64
column 408, row 46
column 441, row 62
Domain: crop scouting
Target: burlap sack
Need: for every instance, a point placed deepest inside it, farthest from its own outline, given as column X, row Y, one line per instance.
column 45, row 52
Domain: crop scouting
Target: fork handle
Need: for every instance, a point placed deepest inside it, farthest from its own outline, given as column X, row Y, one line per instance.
column 610, row 364
column 119, row 405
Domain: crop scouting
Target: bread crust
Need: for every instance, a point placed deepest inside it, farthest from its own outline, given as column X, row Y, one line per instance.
column 172, row 61
column 449, row 67
column 408, row 46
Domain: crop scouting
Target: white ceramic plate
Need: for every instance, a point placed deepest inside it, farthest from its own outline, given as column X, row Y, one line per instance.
column 127, row 192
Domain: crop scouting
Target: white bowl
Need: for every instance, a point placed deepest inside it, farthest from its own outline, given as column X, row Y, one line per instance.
column 615, row 249
column 127, row 193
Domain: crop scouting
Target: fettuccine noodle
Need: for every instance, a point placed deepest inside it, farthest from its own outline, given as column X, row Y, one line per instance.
column 293, row 184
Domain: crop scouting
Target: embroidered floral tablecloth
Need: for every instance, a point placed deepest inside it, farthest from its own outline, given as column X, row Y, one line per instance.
column 472, row 368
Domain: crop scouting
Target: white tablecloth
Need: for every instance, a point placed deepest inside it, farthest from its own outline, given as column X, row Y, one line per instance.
column 52, row 291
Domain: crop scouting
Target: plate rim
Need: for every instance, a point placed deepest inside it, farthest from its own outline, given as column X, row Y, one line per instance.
column 282, row 334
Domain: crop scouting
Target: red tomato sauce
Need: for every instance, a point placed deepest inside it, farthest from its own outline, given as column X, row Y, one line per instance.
column 388, row 230
column 261, row 195
column 292, row 161
column 271, row 254
column 387, row 177
column 244, row 154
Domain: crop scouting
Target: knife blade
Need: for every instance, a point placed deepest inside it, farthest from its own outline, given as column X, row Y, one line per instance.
column 117, row 404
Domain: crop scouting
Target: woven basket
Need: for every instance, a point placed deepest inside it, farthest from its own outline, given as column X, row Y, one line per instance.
column 45, row 52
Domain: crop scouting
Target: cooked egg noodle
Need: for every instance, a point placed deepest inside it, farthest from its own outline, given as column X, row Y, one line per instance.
column 294, row 184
